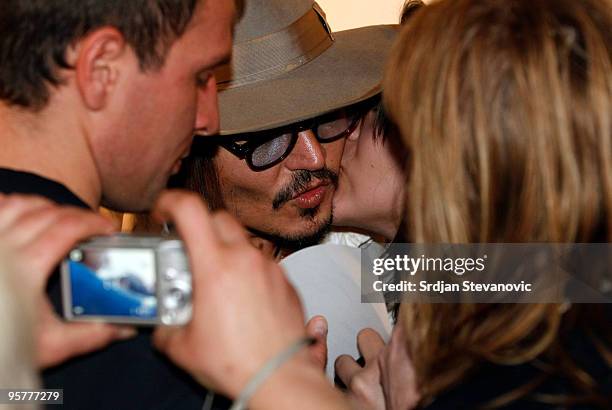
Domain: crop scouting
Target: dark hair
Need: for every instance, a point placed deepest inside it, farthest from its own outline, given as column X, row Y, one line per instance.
column 409, row 8
column 199, row 172
column 383, row 126
column 34, row 35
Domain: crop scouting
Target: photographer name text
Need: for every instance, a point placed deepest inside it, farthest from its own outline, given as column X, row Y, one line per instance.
column 444, row 287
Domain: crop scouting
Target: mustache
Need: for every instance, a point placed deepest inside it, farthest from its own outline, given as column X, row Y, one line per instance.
column 299, row 183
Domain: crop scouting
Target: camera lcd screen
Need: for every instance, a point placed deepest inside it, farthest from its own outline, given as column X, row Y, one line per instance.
column 113, row 282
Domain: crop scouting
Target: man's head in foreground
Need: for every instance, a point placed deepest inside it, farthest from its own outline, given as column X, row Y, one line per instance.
column 287, row 101
column 109, row 91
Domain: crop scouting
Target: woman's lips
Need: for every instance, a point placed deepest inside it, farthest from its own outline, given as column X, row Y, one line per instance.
column 311, row 198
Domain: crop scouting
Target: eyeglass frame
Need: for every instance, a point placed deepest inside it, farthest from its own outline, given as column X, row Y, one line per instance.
column 253, row 140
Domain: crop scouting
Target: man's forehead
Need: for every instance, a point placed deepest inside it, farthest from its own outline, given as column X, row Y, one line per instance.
column 210, row 30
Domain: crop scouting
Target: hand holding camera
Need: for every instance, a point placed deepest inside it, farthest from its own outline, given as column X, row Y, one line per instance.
column 232, row 281
column 140, row 280
column 34, row 235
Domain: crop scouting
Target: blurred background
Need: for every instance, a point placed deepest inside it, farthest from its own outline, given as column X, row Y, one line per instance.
column 347, row 14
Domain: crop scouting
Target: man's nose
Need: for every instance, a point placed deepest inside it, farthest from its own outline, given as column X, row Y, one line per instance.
column 307, row 154
column 207, row 114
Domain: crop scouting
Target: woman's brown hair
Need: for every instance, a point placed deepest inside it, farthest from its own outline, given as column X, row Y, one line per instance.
column 504, row 107
column 199, row 173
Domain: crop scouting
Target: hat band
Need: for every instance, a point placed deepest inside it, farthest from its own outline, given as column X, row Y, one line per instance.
column 266, row 57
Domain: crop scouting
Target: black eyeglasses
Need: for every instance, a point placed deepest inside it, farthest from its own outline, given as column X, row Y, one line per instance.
column 264, row 149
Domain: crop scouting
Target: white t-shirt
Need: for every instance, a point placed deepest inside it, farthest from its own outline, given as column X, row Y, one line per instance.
column 353, row 239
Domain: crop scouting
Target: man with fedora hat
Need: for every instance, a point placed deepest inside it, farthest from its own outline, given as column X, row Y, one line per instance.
column 290, row 95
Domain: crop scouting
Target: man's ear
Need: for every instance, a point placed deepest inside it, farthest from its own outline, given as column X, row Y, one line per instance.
column 96, row 59
column 354, row 136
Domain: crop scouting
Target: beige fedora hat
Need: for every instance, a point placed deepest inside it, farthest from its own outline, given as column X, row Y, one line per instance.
column 287, row 66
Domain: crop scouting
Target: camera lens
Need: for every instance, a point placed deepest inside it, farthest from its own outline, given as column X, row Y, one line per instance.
column 176, row 298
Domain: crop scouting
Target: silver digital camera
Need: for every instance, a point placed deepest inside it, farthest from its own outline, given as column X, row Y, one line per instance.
column 143, row 280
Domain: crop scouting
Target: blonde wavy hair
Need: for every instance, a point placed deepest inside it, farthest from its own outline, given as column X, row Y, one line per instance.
column 504, row 107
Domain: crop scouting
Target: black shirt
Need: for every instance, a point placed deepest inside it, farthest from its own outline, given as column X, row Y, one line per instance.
column 126, row 375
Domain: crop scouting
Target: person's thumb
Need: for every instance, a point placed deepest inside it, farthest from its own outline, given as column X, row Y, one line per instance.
column 317, row 328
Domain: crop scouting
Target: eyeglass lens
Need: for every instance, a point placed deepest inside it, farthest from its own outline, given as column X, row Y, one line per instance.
column 271, row 150
column 275, row 148
column 334, row 127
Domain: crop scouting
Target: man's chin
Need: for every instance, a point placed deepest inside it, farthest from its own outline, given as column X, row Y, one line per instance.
column 298, row 240
column 131, row 202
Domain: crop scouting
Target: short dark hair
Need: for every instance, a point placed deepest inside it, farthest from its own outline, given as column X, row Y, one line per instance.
column 382, row 123
column 34, row 35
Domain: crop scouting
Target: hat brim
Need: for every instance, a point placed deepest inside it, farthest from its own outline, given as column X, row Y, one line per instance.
column 346, row 73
